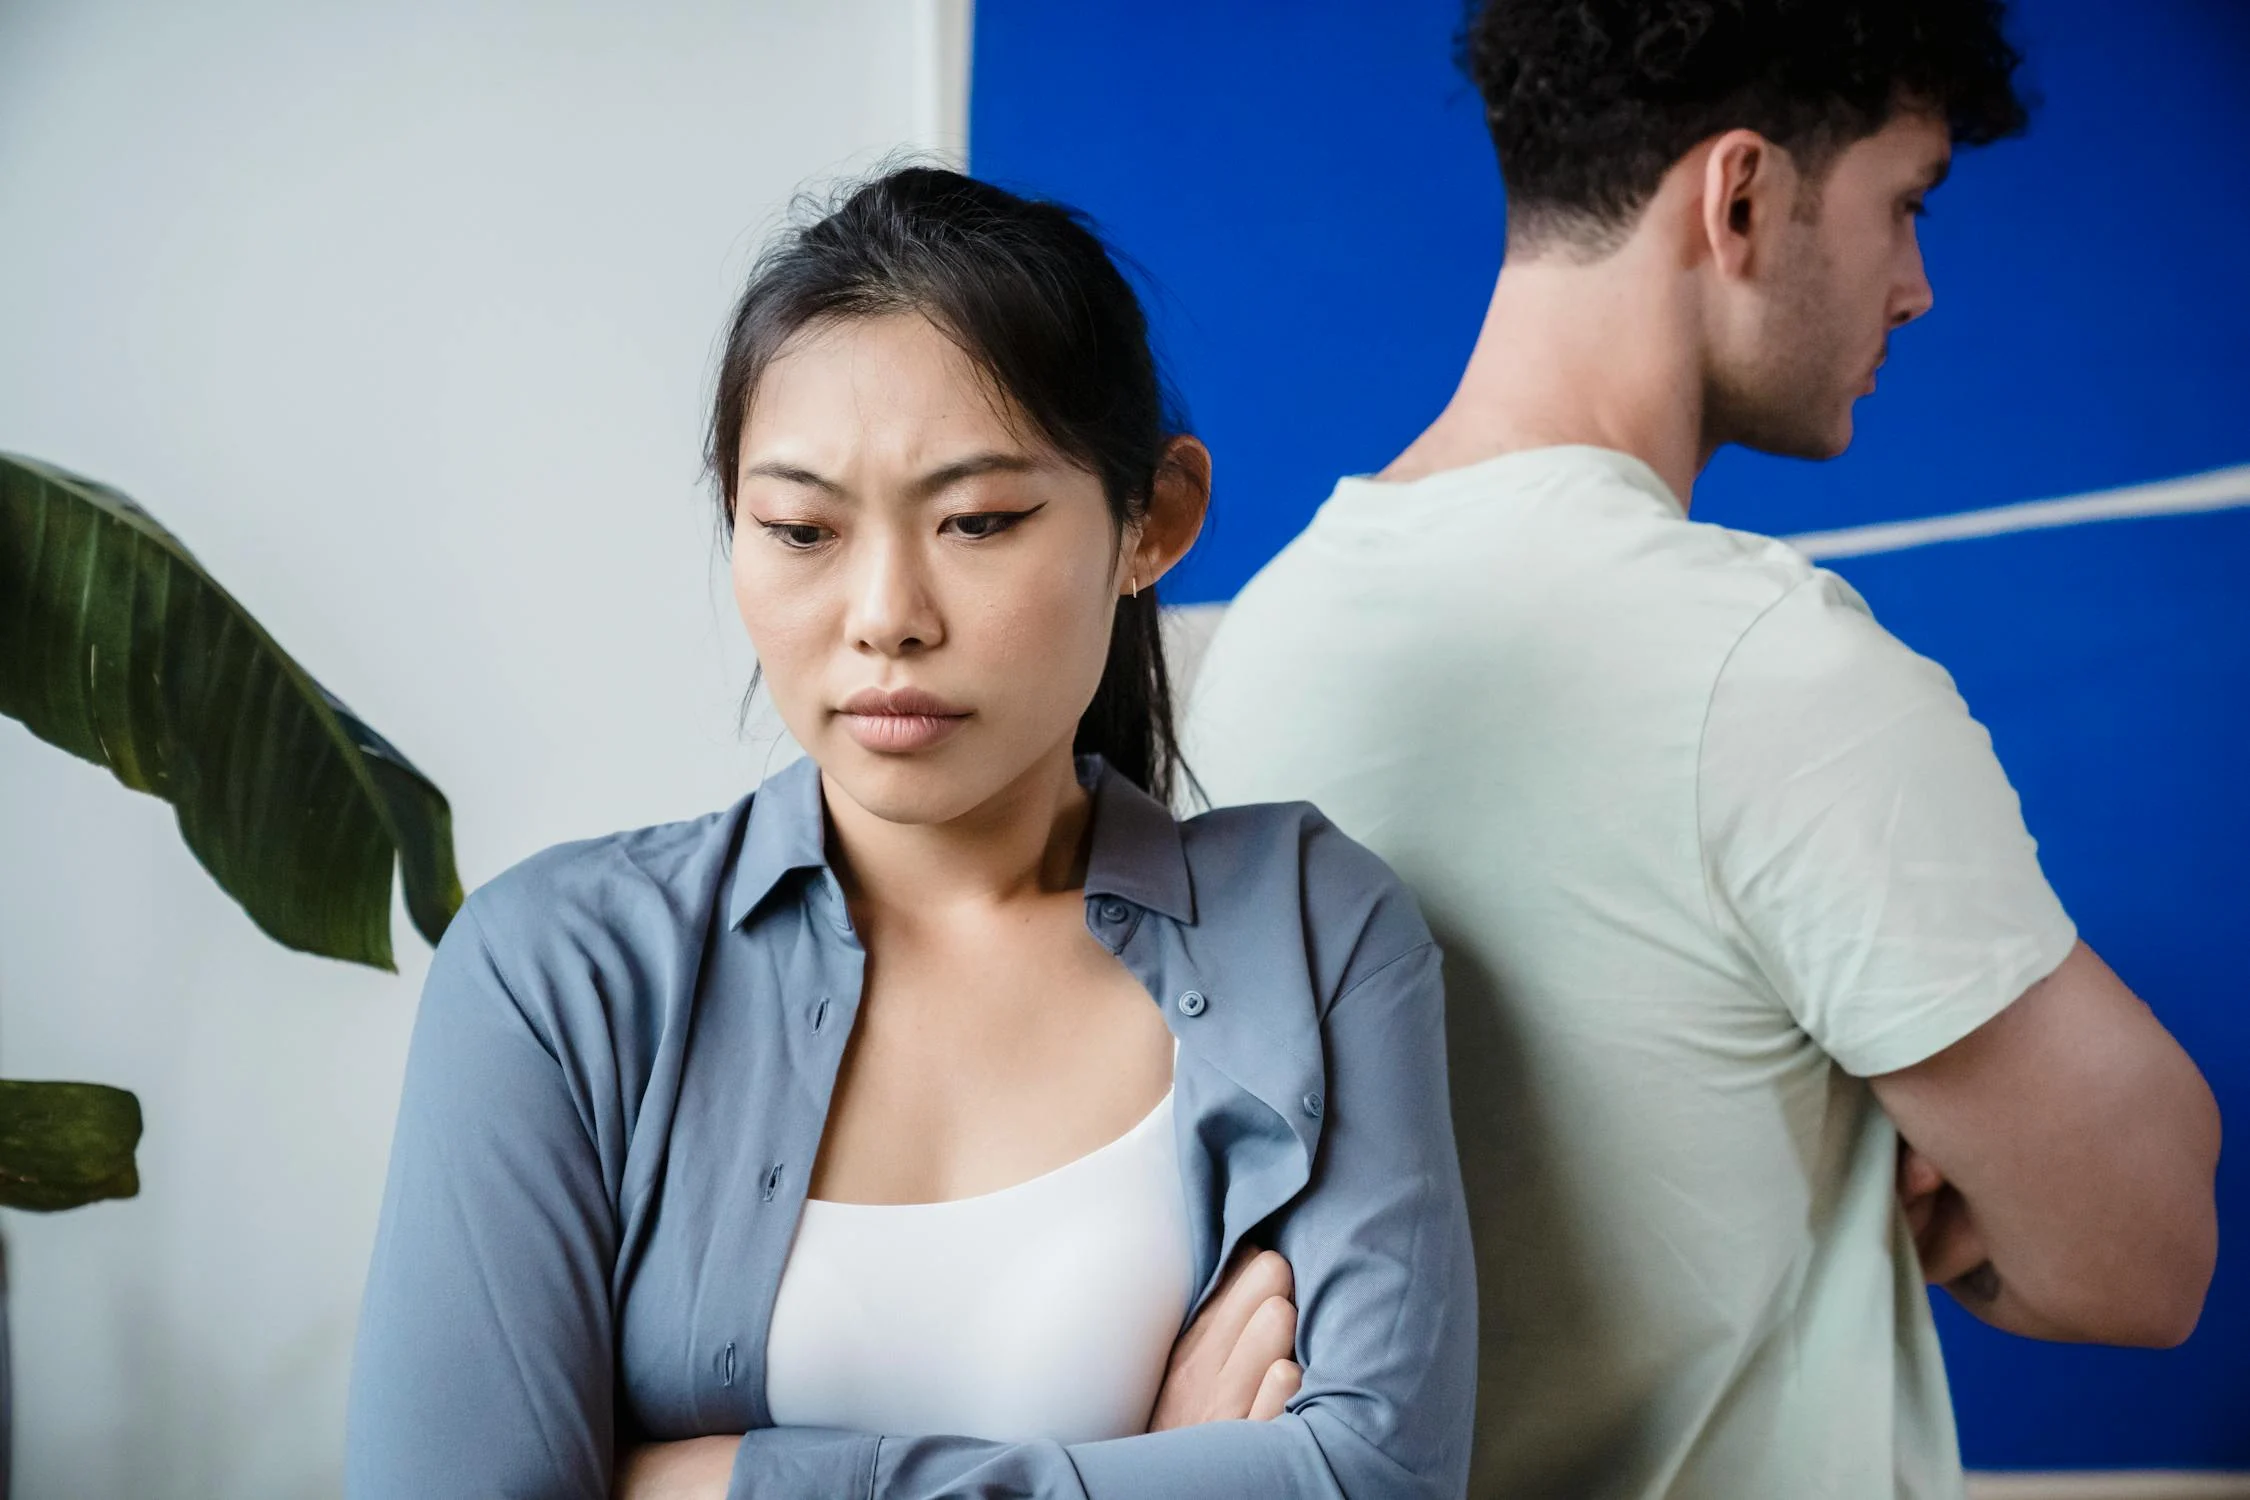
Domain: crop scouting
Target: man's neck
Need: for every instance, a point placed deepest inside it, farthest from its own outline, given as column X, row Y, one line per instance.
column 1600, row 354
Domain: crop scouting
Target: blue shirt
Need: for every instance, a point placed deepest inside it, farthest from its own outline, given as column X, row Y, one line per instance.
column 618, row 1084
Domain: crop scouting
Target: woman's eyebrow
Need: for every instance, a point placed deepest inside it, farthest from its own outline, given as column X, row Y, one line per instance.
column 791, row 474
column 975, row 466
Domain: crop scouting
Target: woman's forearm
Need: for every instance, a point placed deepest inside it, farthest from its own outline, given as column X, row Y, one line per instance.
column 1232, row 1364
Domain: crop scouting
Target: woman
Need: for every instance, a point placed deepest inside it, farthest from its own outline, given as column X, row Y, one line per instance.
column 832, row 1144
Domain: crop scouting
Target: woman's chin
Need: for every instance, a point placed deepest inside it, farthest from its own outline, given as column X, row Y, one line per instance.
column 918, row 787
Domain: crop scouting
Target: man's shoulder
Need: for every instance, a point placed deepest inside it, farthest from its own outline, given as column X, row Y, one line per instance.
column 1705, row 566
column 1594, row 537
column 1819, row 636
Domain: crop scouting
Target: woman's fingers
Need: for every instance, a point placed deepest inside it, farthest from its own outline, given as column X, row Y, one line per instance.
column 1205, row 1380
column 1270, row 1336
column 693, row 1469
column 1218, row 1328
column 1254, row 1281
column 1281, row 1381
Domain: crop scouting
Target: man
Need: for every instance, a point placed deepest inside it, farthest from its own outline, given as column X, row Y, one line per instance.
column 1748, row 943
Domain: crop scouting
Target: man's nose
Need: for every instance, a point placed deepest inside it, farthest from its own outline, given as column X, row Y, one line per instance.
column 1914, row 296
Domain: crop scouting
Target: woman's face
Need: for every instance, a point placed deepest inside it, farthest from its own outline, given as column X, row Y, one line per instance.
column 929, row 587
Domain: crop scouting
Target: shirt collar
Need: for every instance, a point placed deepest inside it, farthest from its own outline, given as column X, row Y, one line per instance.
column 787, row 830
column 1136, row 853
column 1136, row 856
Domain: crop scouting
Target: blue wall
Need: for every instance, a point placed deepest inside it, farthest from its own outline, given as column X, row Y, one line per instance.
column 1310, row 192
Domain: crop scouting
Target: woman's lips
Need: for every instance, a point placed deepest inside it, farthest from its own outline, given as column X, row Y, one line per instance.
column 899, row 720
column 900, row 733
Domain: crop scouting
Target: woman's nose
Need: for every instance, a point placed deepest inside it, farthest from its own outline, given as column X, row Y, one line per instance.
column 893, row 611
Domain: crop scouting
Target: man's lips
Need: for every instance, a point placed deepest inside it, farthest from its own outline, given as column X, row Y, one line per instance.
column 899, row 720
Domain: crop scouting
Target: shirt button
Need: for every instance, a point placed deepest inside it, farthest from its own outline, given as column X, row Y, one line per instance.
column 1192, row 1003
column 1312, row 1105
column 1112, row 911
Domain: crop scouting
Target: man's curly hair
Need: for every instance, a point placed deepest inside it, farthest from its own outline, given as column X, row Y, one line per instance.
column 1590, row 102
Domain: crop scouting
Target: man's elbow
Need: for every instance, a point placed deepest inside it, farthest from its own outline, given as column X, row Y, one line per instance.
column 2183, row 1281
column 2172, row 1330
column 2166, row 1315
column 2144, row 1289
column 2189, row 1254
column 2155, row 1307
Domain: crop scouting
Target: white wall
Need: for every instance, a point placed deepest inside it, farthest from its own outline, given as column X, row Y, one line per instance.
column 401, row 315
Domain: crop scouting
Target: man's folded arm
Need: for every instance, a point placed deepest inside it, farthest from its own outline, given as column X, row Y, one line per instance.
column 2077, row 1144
column 1865, row 841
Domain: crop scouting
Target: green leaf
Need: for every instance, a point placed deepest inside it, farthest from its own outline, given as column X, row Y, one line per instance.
column 66, row 1144
column 118, row 647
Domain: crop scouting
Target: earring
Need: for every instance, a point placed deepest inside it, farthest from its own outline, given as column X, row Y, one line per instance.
column 1135, row 580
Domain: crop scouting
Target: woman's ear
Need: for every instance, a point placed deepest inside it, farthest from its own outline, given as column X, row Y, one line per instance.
column 1176, row 506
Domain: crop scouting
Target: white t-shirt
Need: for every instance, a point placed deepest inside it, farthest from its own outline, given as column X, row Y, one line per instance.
column 1705, row 847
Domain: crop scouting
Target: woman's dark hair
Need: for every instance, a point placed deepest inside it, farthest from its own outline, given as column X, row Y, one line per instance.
column 1590, row 102
column 1029, row 292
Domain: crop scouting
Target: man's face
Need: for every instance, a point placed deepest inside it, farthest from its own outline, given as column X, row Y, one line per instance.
column 1842, row 272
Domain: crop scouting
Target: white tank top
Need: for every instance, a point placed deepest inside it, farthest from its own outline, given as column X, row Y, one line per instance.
column 1042, row 1310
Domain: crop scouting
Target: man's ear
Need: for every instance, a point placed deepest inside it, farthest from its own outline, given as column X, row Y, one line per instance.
column 1176, row 507
column 1748, row 185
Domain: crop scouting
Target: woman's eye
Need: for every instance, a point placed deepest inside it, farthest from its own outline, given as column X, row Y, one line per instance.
column 796, row 535
column 984, row 523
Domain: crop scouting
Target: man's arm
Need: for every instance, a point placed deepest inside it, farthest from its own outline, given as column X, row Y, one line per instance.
column 1866, row 850
column 2076, row 1143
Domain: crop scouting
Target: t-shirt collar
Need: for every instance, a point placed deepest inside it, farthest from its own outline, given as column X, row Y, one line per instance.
column 1527, row 463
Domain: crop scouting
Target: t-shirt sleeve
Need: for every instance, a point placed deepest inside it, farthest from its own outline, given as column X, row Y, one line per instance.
column 1861, row 842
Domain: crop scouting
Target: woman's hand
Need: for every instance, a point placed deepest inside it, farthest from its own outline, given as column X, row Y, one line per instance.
column 696, row 1469
column 1236, row 1360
